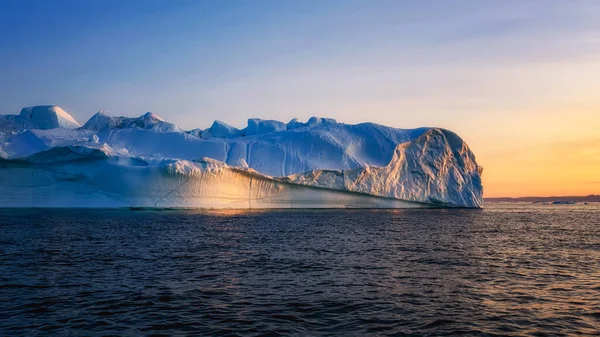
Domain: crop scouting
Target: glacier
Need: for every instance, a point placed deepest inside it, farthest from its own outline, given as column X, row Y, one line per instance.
column 47, row 159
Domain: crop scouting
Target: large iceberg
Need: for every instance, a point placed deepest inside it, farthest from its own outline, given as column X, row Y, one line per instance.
column 48, row 160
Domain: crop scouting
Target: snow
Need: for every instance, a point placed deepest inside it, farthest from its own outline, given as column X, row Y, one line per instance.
column 149, row 121
column 257, row 126
column 148, row 162
column 10, row 123
column 21, row 144
column 49, row 117
column 221, row 130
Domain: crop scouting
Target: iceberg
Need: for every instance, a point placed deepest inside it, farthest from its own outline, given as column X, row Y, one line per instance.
column 47, row 159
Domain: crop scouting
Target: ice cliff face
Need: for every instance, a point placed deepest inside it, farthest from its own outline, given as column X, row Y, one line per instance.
column 437, row 167
column 49, row 161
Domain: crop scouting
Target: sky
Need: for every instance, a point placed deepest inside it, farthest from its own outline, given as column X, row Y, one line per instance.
column 518, row 80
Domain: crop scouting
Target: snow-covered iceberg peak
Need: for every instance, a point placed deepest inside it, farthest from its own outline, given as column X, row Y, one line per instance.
column 101, row 120
column 257, row 126
column 221, row 130
column 148, row 121
column 151, row 116
column 49, row 117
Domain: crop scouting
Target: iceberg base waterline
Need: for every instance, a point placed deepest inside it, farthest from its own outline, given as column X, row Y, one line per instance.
column 105, row 183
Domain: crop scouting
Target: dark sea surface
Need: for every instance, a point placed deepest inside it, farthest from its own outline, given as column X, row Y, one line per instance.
column 509, row 269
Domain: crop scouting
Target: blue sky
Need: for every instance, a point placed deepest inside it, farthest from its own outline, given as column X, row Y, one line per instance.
column 488, row 70
column 192, row 61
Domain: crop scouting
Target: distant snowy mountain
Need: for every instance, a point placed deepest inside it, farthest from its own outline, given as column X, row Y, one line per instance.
column 50, row 161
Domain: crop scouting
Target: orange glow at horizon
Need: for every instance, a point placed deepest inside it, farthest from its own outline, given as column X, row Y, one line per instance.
column 554, row 153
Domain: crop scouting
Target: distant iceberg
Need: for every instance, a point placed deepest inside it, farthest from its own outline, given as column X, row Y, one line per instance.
column 47, row 159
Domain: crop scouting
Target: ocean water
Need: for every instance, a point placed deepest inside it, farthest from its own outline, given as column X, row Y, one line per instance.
column 509, row 269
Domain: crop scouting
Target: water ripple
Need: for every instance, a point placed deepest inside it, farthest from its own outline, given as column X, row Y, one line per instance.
column 507, row 270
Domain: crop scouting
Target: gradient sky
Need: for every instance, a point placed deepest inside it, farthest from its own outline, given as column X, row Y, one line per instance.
column 518, row 80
